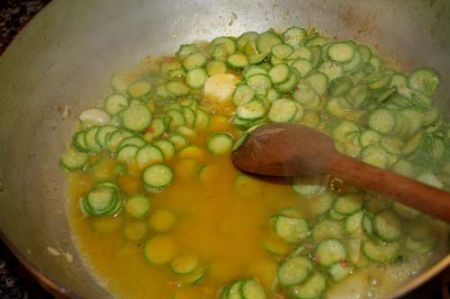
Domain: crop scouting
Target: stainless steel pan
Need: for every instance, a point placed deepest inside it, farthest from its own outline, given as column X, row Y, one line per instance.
column 66, row 54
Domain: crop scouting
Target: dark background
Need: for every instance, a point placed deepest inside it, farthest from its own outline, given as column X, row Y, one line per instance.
column 15, row 281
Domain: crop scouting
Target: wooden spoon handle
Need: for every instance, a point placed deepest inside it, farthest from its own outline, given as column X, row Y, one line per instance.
column 407, row 191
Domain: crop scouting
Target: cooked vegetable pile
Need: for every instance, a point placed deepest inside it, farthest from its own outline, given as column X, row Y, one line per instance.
column 172, row 119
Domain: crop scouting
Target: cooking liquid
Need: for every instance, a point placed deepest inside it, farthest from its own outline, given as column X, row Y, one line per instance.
column 220, row 218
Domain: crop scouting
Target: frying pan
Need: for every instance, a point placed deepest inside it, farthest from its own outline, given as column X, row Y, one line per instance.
column 63, row 60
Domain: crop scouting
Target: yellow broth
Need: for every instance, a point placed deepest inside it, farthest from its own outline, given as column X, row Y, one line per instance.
column 223, row 225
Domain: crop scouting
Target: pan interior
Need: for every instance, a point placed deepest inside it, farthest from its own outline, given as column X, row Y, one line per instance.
column 63, row 59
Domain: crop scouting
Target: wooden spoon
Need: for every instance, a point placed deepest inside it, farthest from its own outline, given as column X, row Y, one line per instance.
column 295, row 150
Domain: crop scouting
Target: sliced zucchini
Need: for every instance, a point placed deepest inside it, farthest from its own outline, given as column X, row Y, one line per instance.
column 276, row 246
column 381, row 252
column 185, row 263
column 259, row 83
column 430, row 179
column 251, row 111
column 345, row 131
column 424, row 80
column 321, row 203
column 220, row 143
column 127, row 153
column 266, row 41
column 354, row 64
column 243, row 94
column 281, row 51
column 349, row 204
column 306, row 95
column 245, row 38
column 332, row 214
column 312, row 288
column 353, row 224
column 294, row 270
column 176, row 119
column 291, row 229
column 327, row 229
column 331, row 69
column 405, row 211
column 139, row 89
column 102, row 136
column 133, row 140
column 137, row 206
column 202, row 119
column 254, row 70
column 234, row 291
column 177, row 88
column 73, row 159
column 365, row 53
column 91, row 140
column 189, row 116
column 303, row 67
column 193, row 152
column 318, row 81
column 294, row 36
column 237, row 60
column 339, row 271
column 194, row 60
column 284, row 110
column 136, row 117
column 382, row 121
column 157, row 177
column 340, row 86
column 160, row 249
column 289, row 84
column 341, row 52
column 329, row 252
column 162, row 220
column 252, row 289
column 422, row 237
column 148, row 155
column 167, row 148
column 194, row 278
column 272, row 95
column 79, row 141
column 301, row 52
column 196, row 78
column 375, row 156
column 279, row 73
column 180, row 141
column 116, row 103
column 227, row 42
column 134, row 230
column 369, row 137
column 387, row 226
column 219, row 52
column 156, row 129
column 116, row 138
column 185, row 50
column 215, row 67
column 103, row 200
column 307, row 188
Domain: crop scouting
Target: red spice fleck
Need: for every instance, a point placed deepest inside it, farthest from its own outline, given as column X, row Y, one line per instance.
column 169, row 59
column 344, row 263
